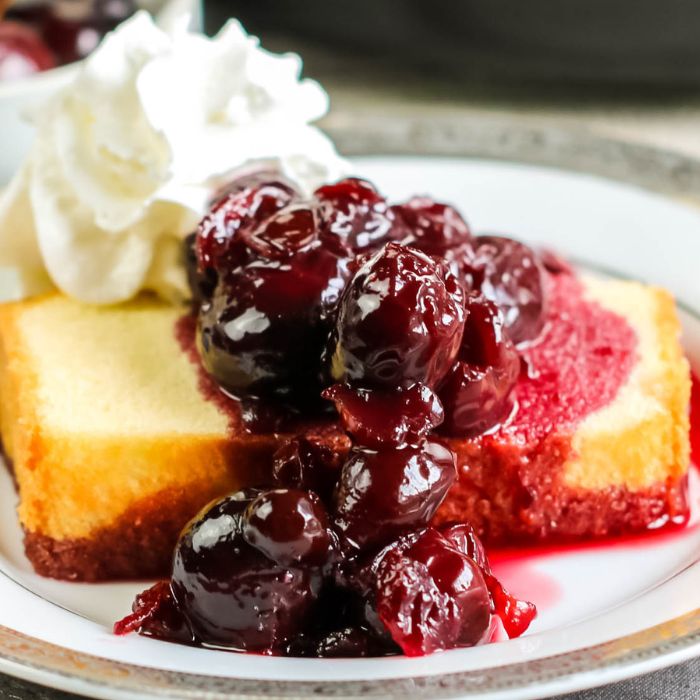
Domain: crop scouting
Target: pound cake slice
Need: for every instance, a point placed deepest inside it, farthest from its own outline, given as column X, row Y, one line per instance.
column 114, row 446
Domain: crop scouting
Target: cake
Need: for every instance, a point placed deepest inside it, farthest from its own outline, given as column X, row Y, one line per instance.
column 115, row 446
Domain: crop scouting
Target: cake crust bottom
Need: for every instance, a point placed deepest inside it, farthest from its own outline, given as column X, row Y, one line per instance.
column 137, row 545
column 511, row 495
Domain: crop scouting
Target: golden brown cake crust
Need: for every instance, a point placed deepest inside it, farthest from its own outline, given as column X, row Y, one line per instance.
column 108, row 506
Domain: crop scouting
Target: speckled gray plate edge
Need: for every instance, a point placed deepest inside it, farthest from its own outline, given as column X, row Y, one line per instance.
column 666, row 644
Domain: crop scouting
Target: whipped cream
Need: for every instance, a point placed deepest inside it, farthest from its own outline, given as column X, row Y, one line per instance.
column 127, row 156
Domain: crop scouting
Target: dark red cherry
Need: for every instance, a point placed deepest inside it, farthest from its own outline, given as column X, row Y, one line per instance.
column 154, row 614
column 400, row 320
column 463, row 537
column 476, row 394
column 250, row 178
column 219, row 242
column 231, row 594
column 74, row 28
column 286, row 233
column 22, row 51
column 290, row 527
column 384, row 417
column 432, row 227
column 431, row 596
column 201, row 282
column 384, row 493
column 510, row 274
column 311, row 463
column 354, row 216
column 265, row 328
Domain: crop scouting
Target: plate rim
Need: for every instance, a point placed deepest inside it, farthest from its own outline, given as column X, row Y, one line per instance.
column 660, row 646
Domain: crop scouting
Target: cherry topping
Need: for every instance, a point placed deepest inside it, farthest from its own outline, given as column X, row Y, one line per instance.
column 74, row 28
column 463, row 537
column 311, row 463
column 230, row 592
column 510, row 274
column 22, row 51
column 219, row 242
column 430, row 595
column 154, row 614
column 201, row 282
column 516, row 615
column 476, row 392
column 432, row 227
column 377, row 418
column 286, row 233
column 400, row 320
column 354, row 215
column 385, row 493
column 264, row 331
column 290, row 527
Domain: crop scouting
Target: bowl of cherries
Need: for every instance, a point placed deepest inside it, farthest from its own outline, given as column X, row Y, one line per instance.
column 41, row 42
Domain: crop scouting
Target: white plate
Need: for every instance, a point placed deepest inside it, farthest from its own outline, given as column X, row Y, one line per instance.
column 606, row 612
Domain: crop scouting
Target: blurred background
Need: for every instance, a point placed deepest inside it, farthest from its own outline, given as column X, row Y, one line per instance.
column 426, row 75
column 628, row 69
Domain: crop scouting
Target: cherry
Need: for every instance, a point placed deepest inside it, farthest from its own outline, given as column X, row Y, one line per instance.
column 22, row 51
column 230, row 592
column 430, row 595
column 286, row 233
column 201, row 282
column 354, row 216
column 377, row 418
column 400, row 320
column 383, row 493
column 510, row 274
column 476, row 392
column 311, row 463
column 290, row 527
column 463, row 537
column 154, row 614
column 516, row 615
column 432, row 227
column 264, row 330
column 219, row 242
column 74, row 28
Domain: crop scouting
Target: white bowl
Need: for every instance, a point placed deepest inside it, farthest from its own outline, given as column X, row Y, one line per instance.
column 19, row 96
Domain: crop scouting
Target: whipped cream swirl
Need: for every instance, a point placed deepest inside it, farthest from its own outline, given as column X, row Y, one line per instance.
column 128, row 155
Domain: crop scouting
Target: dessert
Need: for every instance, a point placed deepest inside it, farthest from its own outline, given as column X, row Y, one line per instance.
column 465, row 376
column 356, row 394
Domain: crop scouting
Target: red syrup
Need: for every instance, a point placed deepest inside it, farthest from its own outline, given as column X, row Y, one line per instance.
column 517, row 566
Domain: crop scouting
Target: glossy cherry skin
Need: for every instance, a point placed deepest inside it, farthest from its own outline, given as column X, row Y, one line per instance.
column 202, row 283
column 432, row 227
column 290, row 527
column 220, row 244
column 232, row 594
column 400, row 320
column 311, row 463
column 266, row 326
column 354, row 216
column 463, row 537
column 379, row 418
column 476, row 394
column 22, row 51
column 431, row 596
column 384, row 493
column 512, row 276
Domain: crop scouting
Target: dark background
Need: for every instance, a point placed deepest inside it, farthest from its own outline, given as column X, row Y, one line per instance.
column 602, row 45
